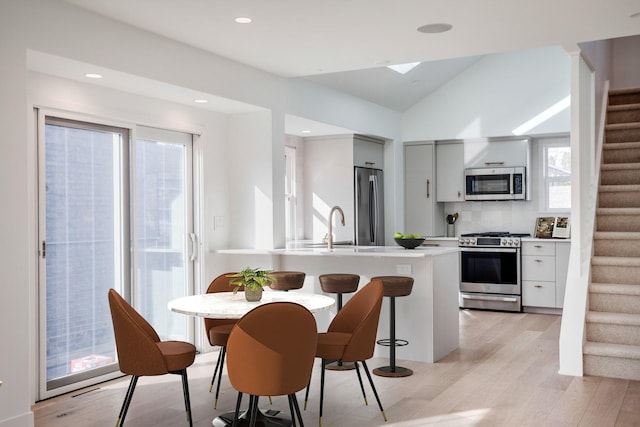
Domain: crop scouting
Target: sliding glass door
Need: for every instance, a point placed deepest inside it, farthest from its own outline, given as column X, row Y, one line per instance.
column 113, row 214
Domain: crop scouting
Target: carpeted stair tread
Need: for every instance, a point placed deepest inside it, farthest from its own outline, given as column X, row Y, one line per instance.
column 617, row 235
column 623, row 126
column 616, row 188
column 616, row 261
column 612, row 350
column 615, row 289
column 613, row 318
column 623, row 107
column 618, row 211
column 621, row 145
column 619, row 166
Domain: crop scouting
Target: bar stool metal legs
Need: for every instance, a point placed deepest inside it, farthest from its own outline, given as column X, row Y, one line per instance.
column 394, row 286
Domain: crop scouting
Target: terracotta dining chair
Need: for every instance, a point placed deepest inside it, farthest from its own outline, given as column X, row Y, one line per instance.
column 218, row 330
column 351, row 337
column 270, row 353
column 141, row 353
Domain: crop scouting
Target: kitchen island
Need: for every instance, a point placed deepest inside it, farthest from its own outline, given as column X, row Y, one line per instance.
column 428, row 318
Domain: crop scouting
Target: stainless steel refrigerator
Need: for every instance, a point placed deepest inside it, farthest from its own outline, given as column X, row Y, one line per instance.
column 369, row 207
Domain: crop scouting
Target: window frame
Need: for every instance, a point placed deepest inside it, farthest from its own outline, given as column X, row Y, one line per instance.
column 545, row 180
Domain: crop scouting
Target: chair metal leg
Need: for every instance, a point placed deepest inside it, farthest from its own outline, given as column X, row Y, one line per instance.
column 254, row 411
column 187, row 401
column 373, row 387
column 306, row 394
column 237, row 413
column 297, row 409
column 127, row 401
column 366, row 402
column 215, row 371
column 293, row 414
column 324, row 364
column 223, row 353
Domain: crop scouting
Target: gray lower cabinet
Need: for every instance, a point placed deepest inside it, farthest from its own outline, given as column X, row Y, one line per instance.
column 544, row 273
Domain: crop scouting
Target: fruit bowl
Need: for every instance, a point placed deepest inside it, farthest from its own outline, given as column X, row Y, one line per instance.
column 409, row 243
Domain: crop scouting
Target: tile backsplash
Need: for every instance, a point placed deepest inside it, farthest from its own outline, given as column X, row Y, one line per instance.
column 511, row 216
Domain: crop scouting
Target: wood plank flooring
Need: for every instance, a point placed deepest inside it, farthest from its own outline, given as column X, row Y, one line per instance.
column 504, row 374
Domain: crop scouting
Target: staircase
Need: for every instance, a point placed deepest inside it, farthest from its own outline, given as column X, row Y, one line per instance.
column 613, row 317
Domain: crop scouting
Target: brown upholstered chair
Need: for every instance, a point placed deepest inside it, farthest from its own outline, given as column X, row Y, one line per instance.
column 351, row 337
column 270, row 353
column 141, row 353
column 218, row 330
column 287, row 280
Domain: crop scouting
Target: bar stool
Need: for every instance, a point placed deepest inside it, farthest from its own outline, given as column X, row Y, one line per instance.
column 339, row 283
column 394, row 286
column 287, row 280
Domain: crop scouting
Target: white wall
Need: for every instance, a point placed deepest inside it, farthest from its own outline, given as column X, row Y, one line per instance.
column 493, row 97
column 328, row 162
column 626, row 56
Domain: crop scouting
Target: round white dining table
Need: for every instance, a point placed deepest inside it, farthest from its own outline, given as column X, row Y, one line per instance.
column 227, row 305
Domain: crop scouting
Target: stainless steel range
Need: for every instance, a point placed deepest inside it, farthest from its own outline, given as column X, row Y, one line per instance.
column 490, row 271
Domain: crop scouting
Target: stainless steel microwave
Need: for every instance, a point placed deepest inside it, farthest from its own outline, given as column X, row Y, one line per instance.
column 495, row 184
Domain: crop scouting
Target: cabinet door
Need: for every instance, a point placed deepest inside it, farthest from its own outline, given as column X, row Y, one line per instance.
column 368, row 154
column 450, row 172
column 500, row 153
column 422, row 214
column 538, row 294
column 541, row 268
column 562, row 265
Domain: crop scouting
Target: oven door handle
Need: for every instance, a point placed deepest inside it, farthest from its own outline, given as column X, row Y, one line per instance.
column 488, row 298
column 494, row 250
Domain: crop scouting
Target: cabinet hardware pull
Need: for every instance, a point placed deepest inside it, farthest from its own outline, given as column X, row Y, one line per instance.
column 537, row 246
column 369, row 163
column 428, row 192
column 459, row 194
column 537, row 260
column 493, row 163
column 537, row 286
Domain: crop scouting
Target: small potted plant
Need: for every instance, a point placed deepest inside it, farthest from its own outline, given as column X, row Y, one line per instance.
column 252, row 279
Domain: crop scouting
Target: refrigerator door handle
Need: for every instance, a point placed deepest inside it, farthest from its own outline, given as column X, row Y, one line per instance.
column 373, row 208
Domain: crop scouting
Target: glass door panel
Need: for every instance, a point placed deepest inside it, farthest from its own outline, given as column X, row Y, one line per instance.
column 83, row 249
column 164, row 243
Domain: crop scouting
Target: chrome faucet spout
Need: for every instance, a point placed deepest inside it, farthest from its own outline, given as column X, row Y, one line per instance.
column 330, row 237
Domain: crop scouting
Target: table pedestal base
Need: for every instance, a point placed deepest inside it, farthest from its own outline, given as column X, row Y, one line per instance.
column 269, row 418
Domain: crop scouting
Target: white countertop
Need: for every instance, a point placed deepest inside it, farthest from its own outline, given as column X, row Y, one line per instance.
column 369, row 251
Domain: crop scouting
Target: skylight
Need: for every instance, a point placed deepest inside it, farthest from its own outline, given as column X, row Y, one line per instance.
column 403, row 68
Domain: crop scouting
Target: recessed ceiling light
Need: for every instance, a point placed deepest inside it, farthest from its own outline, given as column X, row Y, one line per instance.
column 243, row 20
column 93, row 75
column 200, row 101
column 305, row 131
column 435, row 28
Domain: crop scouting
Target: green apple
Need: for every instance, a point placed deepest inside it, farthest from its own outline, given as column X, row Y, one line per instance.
column 409, row 236
column 418, row 236
column 398, row 235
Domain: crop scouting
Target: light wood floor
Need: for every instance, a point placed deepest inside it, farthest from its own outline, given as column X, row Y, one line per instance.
column 504, row 374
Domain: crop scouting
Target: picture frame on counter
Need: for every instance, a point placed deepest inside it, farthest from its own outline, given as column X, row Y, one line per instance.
column 561, row 227
column 548, row 227
column 544, row 227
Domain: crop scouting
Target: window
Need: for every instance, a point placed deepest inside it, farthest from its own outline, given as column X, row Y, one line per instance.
column 556, row 175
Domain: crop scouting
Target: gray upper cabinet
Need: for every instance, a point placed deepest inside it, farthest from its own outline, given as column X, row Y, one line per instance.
column 423, row 214
column 497, row 152
column 450, row 171
column 368, row 152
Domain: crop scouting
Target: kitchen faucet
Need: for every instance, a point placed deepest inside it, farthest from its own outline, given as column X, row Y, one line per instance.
column 330, row 237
